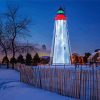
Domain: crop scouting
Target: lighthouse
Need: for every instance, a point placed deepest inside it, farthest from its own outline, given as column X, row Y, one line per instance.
column 60, row 45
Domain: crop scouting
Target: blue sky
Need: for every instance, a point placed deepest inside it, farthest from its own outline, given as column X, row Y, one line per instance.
column 83, row 21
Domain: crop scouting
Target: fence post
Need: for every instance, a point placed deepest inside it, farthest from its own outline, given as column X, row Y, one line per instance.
column 80, row 82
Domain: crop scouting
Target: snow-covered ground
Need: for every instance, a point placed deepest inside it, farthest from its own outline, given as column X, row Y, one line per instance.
column 12, row 89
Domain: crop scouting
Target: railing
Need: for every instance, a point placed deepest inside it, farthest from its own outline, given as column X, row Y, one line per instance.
column 81, row 84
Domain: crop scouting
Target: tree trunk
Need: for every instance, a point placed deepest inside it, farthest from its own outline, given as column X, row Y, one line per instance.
column 6, row 55
column 13, row 51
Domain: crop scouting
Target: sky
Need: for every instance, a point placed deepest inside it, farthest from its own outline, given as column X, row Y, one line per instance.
column 83, row 18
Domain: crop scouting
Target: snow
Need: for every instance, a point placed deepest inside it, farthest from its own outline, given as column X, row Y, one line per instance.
column 12, row 89
column 98, row 58
column 92, row 55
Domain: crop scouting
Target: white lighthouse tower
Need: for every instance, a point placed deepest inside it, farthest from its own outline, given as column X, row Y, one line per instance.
column 61, row 46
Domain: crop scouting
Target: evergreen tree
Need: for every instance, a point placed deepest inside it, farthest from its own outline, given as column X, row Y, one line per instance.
column 13, row 61
column 28, row 59
column 86, row 57
column 36, row 59
column 20, row 59
column 5, row 60
column 87, row 54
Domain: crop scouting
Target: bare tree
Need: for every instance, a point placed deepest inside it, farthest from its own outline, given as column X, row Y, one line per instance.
column 15, row 26
column 4, row 40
